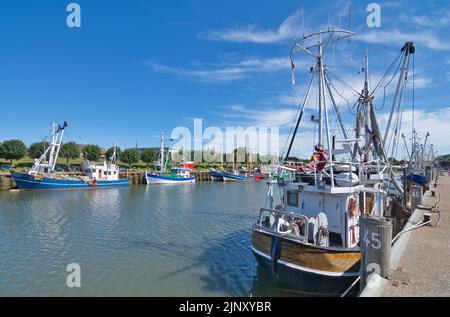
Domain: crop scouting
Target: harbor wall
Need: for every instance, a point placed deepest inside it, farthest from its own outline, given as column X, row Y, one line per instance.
column 6, row 182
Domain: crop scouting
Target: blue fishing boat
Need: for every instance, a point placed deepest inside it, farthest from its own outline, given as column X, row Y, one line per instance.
column 36, row 182
column 235, row 177
column 216, row 176
column 42, row 175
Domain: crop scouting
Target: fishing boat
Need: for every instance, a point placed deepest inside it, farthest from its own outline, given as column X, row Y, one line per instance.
column 42, row 175
column 216, row 175
column 417, row 164
column 178, row 175
column 235, row 177
column 311, row 241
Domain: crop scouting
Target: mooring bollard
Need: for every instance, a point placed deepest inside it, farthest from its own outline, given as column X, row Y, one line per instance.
column 376, row 237
column 429, row 173
column 416, row 196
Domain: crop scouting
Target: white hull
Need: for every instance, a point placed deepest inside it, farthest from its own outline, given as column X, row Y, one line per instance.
column 158, row 180
column 228, row 179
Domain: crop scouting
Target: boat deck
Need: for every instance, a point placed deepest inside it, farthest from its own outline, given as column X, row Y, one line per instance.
column 424, row 268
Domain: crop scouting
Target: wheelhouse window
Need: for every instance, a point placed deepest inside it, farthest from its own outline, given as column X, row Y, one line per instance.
column 292, row 199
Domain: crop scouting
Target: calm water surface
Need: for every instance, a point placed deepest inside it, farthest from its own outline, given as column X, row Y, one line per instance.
column 188, row 240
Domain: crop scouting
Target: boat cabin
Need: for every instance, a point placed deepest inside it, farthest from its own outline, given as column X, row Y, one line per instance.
column 105, row 172
column 181, row 171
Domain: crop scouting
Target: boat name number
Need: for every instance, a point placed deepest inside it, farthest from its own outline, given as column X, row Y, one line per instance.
column 373, row 240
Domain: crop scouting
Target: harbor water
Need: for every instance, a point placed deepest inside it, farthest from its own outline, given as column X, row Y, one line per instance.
column 188, row 240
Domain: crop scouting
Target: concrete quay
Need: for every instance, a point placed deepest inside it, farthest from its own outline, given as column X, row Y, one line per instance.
column 423, row 267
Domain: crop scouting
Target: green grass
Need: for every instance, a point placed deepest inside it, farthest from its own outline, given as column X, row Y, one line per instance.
column 28, row 162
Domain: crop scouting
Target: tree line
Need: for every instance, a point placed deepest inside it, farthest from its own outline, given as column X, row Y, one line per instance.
column 14, row 150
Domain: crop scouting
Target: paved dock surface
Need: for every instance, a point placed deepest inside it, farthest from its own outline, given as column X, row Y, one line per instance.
column 424, row 268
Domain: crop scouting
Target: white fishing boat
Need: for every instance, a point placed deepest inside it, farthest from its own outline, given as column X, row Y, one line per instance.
column 178, row 175
column 311, row 240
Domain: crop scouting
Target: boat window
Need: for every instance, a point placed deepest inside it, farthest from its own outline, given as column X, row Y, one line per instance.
column 292, row 199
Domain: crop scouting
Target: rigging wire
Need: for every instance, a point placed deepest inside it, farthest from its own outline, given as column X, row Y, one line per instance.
column 296, row 117
column 386, row 74
column 356, row 93
column 340, row 95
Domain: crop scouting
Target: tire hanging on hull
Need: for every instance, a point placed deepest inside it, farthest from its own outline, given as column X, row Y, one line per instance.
column 275, row 253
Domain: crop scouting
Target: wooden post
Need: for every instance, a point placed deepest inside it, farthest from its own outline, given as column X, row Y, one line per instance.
column 376, row 237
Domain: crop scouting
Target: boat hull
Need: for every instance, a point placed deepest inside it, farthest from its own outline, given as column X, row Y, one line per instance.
column 216, row 176
column 153, row 179
column 30, row 182
column 228, row 177
column 416, row 178
column 305, row 268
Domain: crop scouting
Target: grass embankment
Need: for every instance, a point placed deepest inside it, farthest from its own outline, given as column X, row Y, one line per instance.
column 27, row 162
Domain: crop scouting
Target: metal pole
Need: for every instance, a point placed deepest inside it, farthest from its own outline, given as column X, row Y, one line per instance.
column 319, row 62
column 162, row 153
column 399, row 85
column 367, row 100
column 327, row 125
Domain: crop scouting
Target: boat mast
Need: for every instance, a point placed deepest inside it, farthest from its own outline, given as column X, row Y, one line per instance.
column 320, row 70
column 315, row 40
column 53, row 151
column 408, row 49
column 368, row 104
column 114, row 156
column 322, row 103
column 162, row 165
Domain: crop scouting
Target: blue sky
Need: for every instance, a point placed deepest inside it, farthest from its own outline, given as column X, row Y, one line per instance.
column 137, row 67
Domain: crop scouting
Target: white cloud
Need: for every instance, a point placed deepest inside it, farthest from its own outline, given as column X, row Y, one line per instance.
column 435, row 122
column 227, row 71
column 268, row 117
column 439, row 19
column 423, row 38
column 250, row 33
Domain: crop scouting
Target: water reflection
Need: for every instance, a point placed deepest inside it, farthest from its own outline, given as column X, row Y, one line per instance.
column 189, row 240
